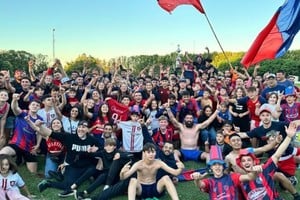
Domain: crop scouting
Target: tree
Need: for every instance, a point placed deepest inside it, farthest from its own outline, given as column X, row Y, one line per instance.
column 89, row 61
column 12, row 60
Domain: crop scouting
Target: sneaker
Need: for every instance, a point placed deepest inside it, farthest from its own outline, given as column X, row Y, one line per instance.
column 105, row 187
column 56, row 175
column 296, row 196
column 293, row 180
column 79, row 195
column 43, row 185
column 66, row 193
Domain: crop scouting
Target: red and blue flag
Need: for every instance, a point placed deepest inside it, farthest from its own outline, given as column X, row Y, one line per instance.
column 276, row 38
column 170, row 5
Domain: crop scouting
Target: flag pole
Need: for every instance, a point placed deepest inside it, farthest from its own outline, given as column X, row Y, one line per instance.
column 215, row 35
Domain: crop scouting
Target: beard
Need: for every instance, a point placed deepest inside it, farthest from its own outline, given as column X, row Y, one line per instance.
column 189, row 124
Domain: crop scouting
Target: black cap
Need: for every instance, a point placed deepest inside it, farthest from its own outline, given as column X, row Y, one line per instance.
column 83, row 123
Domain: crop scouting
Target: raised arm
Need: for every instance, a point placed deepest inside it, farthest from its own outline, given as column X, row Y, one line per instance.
column 56, row 109
column 208, row 121
column 30, row 70
column 243, row 135
column 30, row 92
column 15, row 105
column 60, row 68
column 39, row 127
column 7, row 83
column 86, row 110
column 173, row 119
column 290, row 131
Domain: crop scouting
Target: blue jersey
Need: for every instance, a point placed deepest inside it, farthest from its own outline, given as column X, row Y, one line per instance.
column 24, row 136
column 263, row 187
column 224, row 188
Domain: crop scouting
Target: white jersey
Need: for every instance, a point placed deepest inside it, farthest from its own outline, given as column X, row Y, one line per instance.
column 132, row 136
column 47, row 116
column 11, row 182
column 70, row 126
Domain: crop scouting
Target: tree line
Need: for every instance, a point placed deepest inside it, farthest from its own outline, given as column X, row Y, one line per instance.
column 13, row 60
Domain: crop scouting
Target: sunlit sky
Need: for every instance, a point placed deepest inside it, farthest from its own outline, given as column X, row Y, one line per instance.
column 110, row 28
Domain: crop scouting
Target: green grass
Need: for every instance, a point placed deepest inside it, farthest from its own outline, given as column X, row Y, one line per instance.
column 186, row 190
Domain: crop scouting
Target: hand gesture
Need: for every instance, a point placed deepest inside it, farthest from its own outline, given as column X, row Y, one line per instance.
column 35, row 149
column 180, row 165
column 291, row 130
column 39, row 123
column 92, row 149
column 16, row 96
column 197, row 175
column 126, row 167
column 257, row 169
column 31, row 63
column 141, row 121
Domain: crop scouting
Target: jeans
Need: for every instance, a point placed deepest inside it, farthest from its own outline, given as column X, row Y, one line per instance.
column 71, row 174
column 50, row 165
column 209, row 134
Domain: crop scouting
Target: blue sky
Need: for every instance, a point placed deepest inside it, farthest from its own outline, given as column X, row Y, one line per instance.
column 112, row 28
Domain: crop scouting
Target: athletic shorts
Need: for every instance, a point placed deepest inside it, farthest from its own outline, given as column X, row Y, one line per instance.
column 150, row 191
column 20, row 153
column 188, row 154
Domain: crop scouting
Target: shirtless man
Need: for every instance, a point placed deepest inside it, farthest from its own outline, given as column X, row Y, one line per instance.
column 189, row 135
column 146, row 185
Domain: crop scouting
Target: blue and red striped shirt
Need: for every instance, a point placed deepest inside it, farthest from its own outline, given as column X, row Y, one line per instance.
column 24, row 136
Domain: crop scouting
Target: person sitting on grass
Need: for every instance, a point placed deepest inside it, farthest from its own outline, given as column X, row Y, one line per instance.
column 106, row 158
column 11, row 181
column 146, row 185
column 189, row 135
column 24, row 142
column 166, row 154
column 76, row 161
column 264, row 186
column 227, row 184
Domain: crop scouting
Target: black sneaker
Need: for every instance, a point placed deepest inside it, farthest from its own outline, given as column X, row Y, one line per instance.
column 293, row 180
column 66, row 193
column 297, row 197
column 43, row 185
column 56, row 175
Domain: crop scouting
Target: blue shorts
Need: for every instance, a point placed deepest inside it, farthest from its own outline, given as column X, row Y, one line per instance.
column 150, row 191
column 188, row 154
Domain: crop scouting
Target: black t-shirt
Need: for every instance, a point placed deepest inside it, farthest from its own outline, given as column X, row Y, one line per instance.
column 76, row 148
column 107, row 158
column 260, row 132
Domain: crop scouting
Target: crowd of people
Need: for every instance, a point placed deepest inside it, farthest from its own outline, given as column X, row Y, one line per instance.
column 133, row 134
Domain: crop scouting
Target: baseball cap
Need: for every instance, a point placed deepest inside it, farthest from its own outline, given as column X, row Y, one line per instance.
column 246, row 152
column 264, row 109
column 65, row 80
column 83, row 123
column 271, row 76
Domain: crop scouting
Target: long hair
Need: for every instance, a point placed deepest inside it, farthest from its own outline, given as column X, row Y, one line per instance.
column 12, row 165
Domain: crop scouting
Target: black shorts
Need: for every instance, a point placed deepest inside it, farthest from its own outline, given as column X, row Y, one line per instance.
column 150, row 191
column 20, row 153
